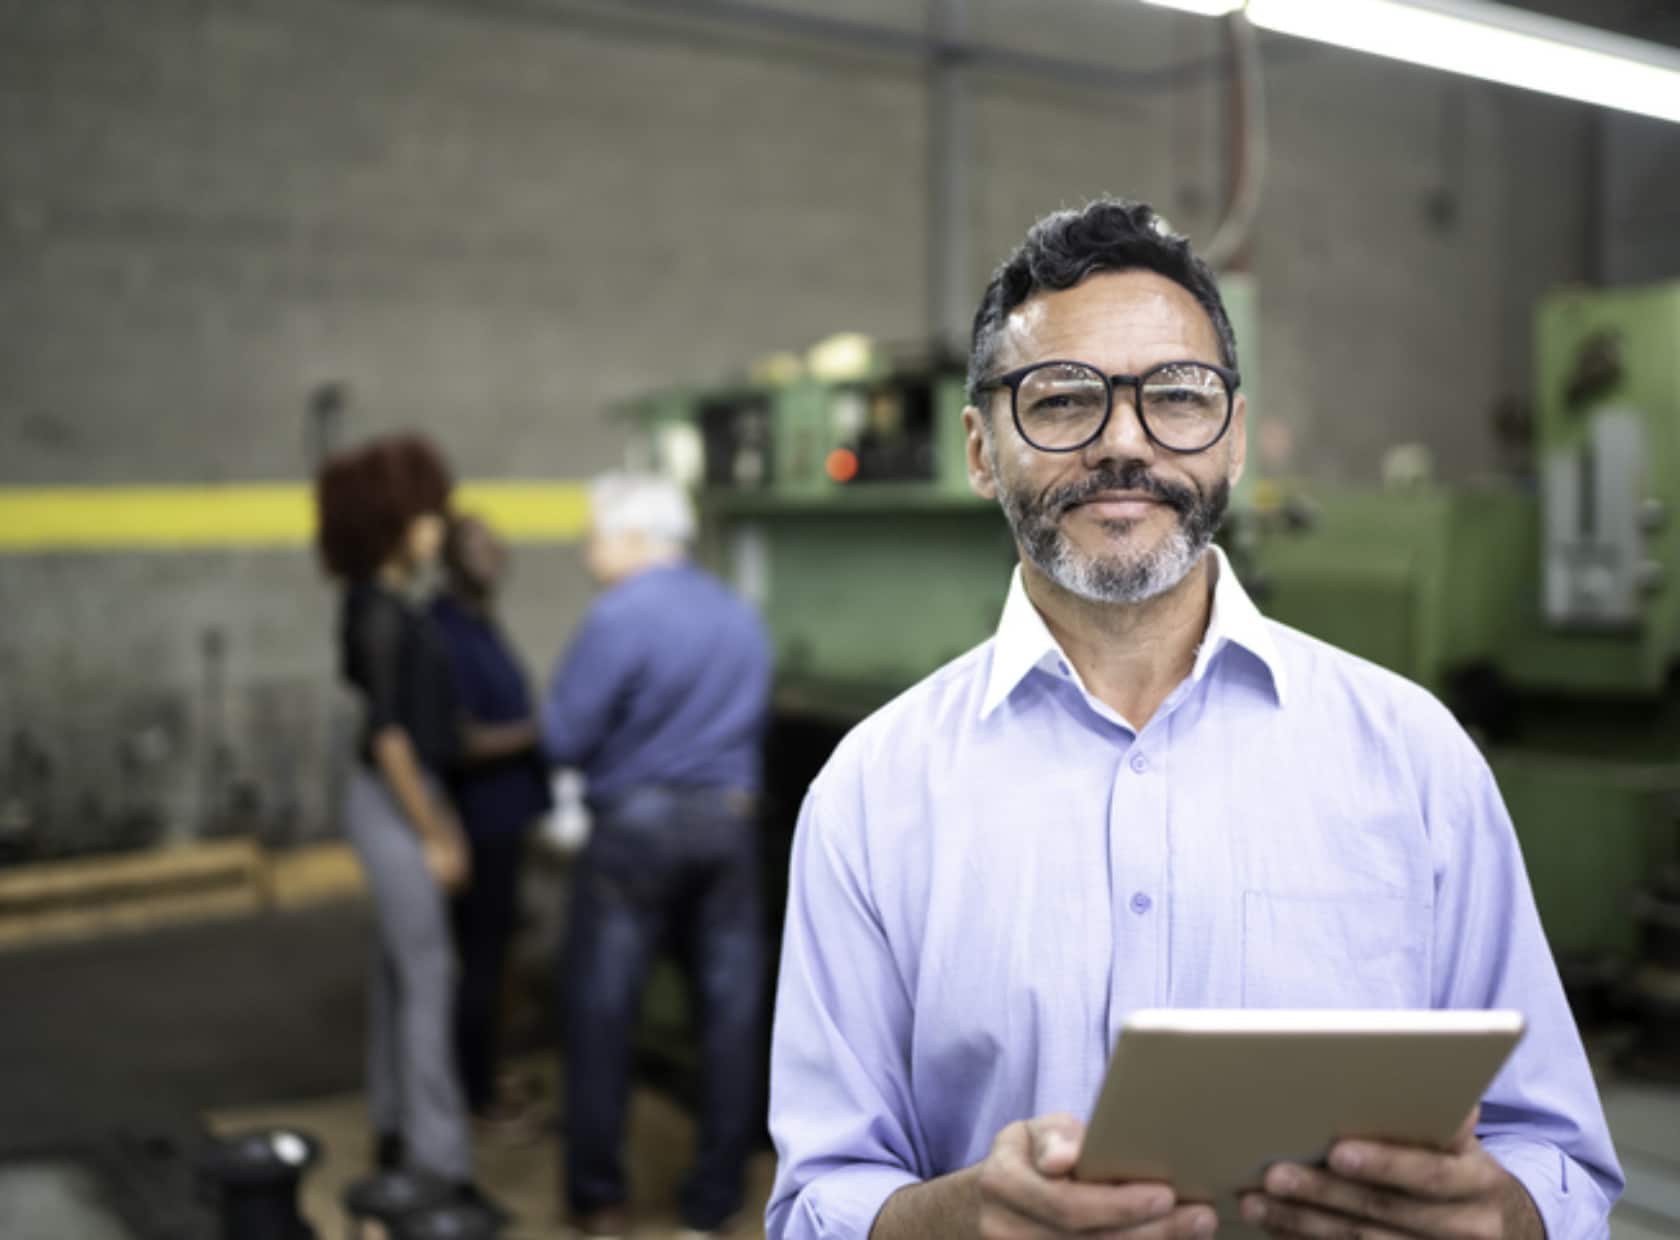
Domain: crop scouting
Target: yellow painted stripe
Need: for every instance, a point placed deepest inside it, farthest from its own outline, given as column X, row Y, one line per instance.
column 529, row 511
column 165, row 518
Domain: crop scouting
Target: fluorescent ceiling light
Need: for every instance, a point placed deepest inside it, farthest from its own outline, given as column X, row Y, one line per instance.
column 1494, row 42
column 1207, row 8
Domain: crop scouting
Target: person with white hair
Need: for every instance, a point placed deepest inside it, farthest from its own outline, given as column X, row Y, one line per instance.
column 661, row 700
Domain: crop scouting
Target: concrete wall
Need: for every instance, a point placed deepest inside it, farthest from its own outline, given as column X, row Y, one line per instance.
column 493, row 219
column 1639, row 218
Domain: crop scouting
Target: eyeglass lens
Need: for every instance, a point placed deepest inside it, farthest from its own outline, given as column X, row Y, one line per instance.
column 1061, row 405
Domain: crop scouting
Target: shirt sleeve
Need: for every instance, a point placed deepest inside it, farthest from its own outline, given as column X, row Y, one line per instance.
column 377, row 634
column 841, row 1110
column 1541, row 1118
column 585, row 690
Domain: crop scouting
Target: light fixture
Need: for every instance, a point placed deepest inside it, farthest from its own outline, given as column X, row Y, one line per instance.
column 1494, row 42
column 1207, row 8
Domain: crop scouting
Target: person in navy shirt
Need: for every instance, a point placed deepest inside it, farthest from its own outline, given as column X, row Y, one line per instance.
column 498, row 797
column 661, row 701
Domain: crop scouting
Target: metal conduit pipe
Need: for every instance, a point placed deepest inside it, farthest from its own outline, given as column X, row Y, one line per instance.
column 632, row 18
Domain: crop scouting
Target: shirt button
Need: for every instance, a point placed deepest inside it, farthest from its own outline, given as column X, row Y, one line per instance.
column 1140, row 763
column 1063, row 665
column 1141, row 903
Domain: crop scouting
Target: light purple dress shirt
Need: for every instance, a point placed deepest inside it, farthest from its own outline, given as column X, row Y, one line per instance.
column 993, row 870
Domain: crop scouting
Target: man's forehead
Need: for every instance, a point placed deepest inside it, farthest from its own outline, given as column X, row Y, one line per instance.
column 1139, row 307
column 1024, row 319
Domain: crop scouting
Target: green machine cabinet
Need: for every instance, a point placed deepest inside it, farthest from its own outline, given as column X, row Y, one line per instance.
column 1424, row 581
column 1591, row 838
column 1608, row 423
column 1547, row 616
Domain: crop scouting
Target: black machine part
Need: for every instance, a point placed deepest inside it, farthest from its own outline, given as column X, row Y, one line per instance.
column 253, row 1178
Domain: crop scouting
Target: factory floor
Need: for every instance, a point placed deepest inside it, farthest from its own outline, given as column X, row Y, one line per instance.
column 516, row 1170
column 117, row 1049
column 120, row 1050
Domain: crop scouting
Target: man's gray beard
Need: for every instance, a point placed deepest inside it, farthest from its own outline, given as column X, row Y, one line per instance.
column 1115, row 578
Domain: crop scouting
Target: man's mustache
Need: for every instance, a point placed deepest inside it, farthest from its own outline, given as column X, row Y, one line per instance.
column 1131, row 477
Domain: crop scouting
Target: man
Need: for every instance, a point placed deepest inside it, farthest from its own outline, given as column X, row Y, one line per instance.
column 1140, row 793
column 499, row 793
column 661, row 701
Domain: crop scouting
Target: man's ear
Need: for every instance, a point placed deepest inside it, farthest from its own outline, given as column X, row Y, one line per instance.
column 976, row 436
column 1239, row 440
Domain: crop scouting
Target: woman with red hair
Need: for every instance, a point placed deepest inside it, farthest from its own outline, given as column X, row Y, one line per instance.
column 382, row 511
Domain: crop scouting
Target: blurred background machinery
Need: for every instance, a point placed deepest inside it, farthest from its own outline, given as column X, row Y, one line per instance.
column 1543, row 609
column 1546, row 615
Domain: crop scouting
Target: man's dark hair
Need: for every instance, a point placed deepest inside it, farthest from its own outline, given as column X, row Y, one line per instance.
column 1065, row 247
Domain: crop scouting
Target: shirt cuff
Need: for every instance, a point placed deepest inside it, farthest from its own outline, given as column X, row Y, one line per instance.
column 1569, row 1200
column 842, row 1204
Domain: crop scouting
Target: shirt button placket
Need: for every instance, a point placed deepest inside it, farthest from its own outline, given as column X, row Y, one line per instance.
column 1140, row 869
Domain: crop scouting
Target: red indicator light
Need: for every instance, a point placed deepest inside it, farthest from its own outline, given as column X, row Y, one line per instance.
column 842, row 465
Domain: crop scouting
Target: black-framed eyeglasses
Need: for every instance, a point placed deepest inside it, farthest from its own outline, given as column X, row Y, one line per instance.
column 1061, row 406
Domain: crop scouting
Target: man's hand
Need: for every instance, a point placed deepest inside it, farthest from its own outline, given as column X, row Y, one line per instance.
column 1375, row 1191
column 1027, row 1190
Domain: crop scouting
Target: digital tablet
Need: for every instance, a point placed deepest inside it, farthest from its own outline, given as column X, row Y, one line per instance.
column 1207, row 1099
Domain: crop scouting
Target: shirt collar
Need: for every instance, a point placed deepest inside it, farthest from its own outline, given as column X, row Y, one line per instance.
column 1023, row 641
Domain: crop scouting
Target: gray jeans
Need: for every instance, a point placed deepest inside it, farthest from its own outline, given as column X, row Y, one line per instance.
column 412, row 1086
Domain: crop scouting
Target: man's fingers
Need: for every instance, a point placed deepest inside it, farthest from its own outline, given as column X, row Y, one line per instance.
column 1180, row 1223
column 1290, row 1188
column 1295, row 1219
column 1070, row 1206
column 1184, row 1223
column 1011, row 1178
column 1025, row 1191
column 1423, row 1173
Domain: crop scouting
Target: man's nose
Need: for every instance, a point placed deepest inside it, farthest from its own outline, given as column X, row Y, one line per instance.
column 1123, row 437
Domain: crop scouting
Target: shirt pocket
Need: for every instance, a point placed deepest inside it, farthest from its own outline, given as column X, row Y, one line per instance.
column 1311, row 951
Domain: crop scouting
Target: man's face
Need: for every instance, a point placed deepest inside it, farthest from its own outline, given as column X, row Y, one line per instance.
column 611, row 556
column 1122, row 519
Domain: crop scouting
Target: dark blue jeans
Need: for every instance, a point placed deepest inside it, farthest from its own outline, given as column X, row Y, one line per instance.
column 664, row 865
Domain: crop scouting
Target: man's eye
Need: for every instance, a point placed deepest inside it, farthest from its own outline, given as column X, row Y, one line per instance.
column 1179, row 396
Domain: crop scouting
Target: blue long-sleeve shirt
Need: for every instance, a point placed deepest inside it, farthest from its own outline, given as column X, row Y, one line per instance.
column 995, row 869
column 666, row 682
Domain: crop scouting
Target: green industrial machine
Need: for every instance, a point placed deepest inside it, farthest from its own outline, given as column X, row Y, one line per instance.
column 1546, row 613
column 1564, row 588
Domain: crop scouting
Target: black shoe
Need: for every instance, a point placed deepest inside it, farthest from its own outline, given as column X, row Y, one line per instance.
column 470, row 1194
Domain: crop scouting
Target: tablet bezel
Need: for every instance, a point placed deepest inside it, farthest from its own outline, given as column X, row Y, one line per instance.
column 1188, row 1058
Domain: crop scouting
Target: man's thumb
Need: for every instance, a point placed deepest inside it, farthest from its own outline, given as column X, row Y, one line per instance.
column 1055, row 1143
